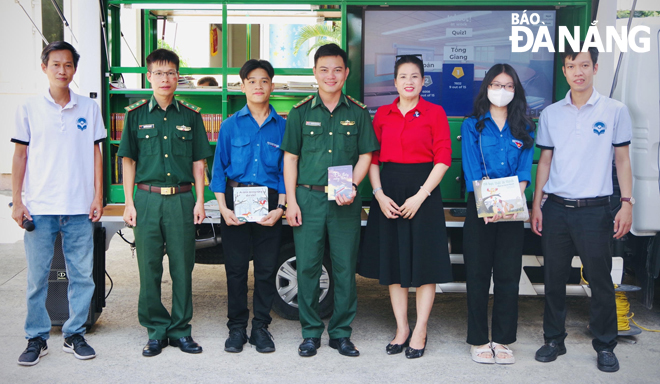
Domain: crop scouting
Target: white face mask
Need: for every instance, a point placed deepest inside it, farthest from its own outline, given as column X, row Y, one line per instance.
column 500, row 97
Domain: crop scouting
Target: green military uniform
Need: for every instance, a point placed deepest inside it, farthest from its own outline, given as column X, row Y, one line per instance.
column 323, row 139
column 164, row 145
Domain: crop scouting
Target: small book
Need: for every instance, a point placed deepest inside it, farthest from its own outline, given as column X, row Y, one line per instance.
column 250, row 203
column 498, row 196
column 340, row 181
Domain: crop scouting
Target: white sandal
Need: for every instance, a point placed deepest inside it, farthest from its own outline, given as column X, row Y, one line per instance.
column 505, row 350
column 475, row 351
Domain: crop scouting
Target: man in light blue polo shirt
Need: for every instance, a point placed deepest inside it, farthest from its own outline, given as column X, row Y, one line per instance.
column 578, row 137
column 248, row 154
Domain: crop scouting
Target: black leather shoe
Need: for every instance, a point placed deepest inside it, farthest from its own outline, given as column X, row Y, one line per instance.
column 263, row 340
column 394, row 349
column 344, row 346
column 186, row 344
column 550, row 350
column 237, row 338
column 412, row 353
column 309, row 346
column 154, row 347
column 607, row 361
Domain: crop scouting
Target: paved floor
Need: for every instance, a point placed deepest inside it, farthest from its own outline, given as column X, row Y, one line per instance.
column 118, row 340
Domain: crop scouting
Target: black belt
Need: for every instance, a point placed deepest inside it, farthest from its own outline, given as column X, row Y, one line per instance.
column 166, row 190
column 320, row 188
column 235, row 184
column 580, row 203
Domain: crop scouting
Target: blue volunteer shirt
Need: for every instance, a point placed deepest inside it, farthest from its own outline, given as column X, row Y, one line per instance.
column 503, row 153
column 248, row 153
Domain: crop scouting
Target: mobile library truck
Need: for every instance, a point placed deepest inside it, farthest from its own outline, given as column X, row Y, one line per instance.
column 458, row 41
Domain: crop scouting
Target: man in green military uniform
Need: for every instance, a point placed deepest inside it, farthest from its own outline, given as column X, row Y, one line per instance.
column 163, row 148
column 328, row 129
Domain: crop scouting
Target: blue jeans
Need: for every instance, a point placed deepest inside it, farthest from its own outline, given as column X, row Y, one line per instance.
column 78, row 246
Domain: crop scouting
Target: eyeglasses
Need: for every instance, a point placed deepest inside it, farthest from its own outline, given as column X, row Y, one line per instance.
column 159, row 74
column 496, row 86
column 399, row 57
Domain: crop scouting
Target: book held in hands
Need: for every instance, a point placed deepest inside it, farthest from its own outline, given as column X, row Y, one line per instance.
column 498, row 196
column 250, row 203
column 340, row 181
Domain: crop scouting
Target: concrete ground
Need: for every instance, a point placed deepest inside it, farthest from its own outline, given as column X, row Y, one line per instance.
column 118, row 339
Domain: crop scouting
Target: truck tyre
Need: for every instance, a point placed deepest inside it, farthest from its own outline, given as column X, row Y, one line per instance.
column 286, row 282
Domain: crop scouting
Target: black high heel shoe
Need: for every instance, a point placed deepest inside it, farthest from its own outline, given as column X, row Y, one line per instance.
column 394, row 349
column 412, row 353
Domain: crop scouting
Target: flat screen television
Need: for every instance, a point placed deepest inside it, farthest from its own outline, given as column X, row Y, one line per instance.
column 457, row 47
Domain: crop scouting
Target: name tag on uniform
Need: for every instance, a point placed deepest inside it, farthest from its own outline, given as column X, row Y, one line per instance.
column 183, row 128
column 146, row 126
column 313, row 123
column 347, row 122
column 272, row 144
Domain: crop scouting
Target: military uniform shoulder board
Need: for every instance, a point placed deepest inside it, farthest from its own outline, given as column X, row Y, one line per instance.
column 136, row 105
column 192, row 107
column 359, row 104
column 303, row 101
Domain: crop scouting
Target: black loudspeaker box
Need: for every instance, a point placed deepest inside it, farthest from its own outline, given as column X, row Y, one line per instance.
column 57, row 302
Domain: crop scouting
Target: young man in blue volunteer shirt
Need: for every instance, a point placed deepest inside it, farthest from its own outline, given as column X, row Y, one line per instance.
column 578, row 137
column 58, row 159
column 248, row 155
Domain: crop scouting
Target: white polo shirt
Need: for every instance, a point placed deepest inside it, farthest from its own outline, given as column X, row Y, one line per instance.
column 59, row 179
column 583, row 142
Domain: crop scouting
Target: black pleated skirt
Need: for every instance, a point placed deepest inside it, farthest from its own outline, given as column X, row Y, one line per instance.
column 403, row 251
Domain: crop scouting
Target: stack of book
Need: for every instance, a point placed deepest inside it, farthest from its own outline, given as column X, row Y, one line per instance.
column 116, row 125
column 212, row 122
column 117, row 170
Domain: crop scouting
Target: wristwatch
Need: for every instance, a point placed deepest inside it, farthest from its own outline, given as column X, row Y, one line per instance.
column 282, row 207
column 630, row 200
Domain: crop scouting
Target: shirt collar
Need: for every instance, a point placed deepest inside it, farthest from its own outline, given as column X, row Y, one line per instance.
column 73, row 98
column 595, row 96
column 317, row 100
column 487, row 115
column 245, row 111
column 421, row 107
column 153, row 103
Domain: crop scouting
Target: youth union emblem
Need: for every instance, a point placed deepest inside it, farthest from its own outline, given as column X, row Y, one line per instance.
column 599, row 128
column 82, row 123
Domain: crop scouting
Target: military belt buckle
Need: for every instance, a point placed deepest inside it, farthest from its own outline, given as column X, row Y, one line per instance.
column 166, row 191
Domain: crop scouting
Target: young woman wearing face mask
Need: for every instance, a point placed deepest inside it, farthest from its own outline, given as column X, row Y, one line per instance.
column 497, row 141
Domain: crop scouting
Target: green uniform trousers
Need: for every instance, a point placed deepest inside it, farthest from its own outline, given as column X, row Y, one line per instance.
column 165, row 220
column 342, row 226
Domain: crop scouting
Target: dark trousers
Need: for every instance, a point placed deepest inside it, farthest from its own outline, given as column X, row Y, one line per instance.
column 492, row 250
column 237, row 242
column 585, row 231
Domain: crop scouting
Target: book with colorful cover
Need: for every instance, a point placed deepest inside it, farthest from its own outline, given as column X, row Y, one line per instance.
column 250, row 203
column 340, row 181
column 498, row 196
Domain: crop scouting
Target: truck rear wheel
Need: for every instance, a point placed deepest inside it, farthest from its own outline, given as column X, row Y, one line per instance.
column 286, row 282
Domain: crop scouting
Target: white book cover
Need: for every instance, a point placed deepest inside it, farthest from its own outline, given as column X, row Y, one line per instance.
column 250, row 203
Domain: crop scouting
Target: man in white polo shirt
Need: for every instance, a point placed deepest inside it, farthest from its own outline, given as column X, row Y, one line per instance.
column 58, row 159
column 578, row 137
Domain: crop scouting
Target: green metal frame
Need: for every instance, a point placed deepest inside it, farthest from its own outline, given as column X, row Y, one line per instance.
column 569, row 13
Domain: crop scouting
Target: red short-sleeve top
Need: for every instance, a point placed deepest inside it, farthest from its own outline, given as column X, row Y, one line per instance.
column 421, row 136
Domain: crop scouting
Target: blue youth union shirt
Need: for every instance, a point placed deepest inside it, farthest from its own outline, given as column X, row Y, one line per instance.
column 503, row 153
column 248, row 153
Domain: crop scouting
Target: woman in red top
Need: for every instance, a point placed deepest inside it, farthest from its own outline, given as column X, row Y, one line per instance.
column 405, row 243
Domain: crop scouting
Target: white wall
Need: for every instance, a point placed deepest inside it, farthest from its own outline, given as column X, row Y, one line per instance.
column 20, row 71
column 20, row 68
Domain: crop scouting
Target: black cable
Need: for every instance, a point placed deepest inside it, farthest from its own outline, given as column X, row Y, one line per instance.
column 123, row 238
column 112, row 284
